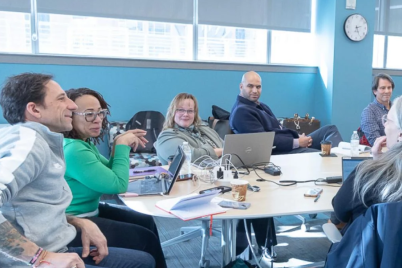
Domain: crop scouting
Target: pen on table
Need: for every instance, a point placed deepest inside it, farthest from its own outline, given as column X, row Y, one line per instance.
column 146, row 170
column 318, row 196
column 128, row 195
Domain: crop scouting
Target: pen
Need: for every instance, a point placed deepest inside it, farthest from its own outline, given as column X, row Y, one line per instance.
column 128, row 195
column 318, row 196
column 146, row 170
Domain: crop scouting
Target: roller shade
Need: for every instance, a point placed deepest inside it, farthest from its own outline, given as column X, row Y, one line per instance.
column 16, row 5
column 388, row 17
column 177, row 11
column 292, row 15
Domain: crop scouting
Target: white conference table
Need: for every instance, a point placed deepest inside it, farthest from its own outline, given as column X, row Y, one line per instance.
column 271, row 201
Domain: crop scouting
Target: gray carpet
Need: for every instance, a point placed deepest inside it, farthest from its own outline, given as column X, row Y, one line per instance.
column 295, row 246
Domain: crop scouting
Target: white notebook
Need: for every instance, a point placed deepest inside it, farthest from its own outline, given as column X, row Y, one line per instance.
column 191, row 206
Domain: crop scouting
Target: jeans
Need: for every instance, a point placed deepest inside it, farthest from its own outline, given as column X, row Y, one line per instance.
column 126, row 228
column 329, row 132
column 119, row 258
column 264, row 230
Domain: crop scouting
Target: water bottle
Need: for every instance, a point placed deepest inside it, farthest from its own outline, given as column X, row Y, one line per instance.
column 354, row 144
column 186, row 169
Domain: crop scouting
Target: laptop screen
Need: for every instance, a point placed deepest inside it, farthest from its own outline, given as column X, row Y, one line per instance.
column 251, row 148
column 174, row 169
column 349, row 164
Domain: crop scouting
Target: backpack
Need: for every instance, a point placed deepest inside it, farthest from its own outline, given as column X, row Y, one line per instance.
column 152, row 123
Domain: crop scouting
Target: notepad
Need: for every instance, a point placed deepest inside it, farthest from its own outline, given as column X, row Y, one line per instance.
column 191, row 206
column 344, row 148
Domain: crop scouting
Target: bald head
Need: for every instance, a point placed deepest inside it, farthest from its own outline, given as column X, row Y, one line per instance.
column 250, row 86
column 250, row 75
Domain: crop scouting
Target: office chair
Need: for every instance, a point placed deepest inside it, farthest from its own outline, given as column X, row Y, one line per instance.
column 374, row 239
column 187, row 233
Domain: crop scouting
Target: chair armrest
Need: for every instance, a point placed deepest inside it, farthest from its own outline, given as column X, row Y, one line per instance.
column 332, row 232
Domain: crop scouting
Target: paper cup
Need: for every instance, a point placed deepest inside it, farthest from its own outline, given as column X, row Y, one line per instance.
column 326, row 147
column 239, row 189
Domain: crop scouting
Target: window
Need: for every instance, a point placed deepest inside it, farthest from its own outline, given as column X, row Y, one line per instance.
column 278, row 31
column 232, row 44
column 378, row 55
column 394, row 53
column 15, row 32
column 94, row 36
column 388, row 38
column 292, row 48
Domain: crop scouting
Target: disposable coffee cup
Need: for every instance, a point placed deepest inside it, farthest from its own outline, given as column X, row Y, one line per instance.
column 239, row 189
column 326, row 147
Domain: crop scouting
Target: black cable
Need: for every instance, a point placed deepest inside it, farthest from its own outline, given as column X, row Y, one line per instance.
column 280, row 184
column 244, row 165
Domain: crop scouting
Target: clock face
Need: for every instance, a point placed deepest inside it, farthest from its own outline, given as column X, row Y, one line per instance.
column 356, row 27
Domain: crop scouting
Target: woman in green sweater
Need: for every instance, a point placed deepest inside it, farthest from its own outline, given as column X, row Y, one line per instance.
column 90, row 175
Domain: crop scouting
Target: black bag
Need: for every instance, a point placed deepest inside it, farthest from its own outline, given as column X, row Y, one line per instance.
column 152, row 123
column 304, row 125
column 219, row 113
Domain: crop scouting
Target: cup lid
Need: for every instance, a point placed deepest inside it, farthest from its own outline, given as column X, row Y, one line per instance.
column 326, row 142
column 238, row 182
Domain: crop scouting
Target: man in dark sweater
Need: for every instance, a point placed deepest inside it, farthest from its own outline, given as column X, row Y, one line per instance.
column 249, row 115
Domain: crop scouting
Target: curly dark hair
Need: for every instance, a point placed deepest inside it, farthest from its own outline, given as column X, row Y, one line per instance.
column 74, row 94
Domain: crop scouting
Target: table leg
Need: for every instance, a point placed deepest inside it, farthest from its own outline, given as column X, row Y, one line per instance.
column 228, row 241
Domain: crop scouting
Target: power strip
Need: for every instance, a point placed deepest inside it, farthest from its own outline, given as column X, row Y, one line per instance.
column 272, row 170
column 220, row 174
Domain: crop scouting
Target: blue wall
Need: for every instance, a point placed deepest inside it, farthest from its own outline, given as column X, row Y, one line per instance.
column 129, row 90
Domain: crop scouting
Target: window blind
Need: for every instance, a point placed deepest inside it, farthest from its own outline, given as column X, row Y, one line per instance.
column 176, row 11
column 16, row 5
column 290, row 15
column 388, row 17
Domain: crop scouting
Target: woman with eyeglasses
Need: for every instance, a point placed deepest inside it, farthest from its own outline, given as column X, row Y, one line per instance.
column 90, row 175
column 378, row 180
column 184, row 124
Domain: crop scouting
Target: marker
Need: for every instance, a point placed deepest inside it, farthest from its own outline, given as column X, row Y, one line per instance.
column 128, row 195
column 146, row 170
column 318, row 196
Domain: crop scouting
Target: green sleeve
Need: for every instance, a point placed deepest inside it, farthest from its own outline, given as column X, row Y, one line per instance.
column 85, row 164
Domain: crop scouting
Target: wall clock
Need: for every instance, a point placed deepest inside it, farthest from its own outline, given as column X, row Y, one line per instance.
column 355, row 27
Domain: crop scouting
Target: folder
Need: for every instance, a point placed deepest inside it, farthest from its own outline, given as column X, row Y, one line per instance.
column 191, row 206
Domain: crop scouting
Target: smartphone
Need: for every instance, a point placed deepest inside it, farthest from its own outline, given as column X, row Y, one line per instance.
column 313, row 192
column 185, row 177
column 233, row 204
column 223, row 189
column 253, row 188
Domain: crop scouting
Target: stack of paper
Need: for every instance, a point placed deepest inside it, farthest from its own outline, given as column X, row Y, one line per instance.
column 192, row 206
column 344, row 148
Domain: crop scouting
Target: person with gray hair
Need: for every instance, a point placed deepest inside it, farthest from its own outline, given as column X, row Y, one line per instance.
column 378, row 180
column 370, row 122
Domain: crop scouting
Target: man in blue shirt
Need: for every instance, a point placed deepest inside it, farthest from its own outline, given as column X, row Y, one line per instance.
column 249, row 115
column 371, row 123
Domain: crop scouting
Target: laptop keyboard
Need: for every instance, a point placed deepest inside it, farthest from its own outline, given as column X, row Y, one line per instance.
column 151, row 186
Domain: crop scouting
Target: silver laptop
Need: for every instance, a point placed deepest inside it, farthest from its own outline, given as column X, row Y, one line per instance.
column 158, row 185
column 251, row 148
column 349, row 164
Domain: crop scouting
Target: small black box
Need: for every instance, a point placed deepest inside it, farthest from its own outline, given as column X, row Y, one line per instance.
column 274, row 171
